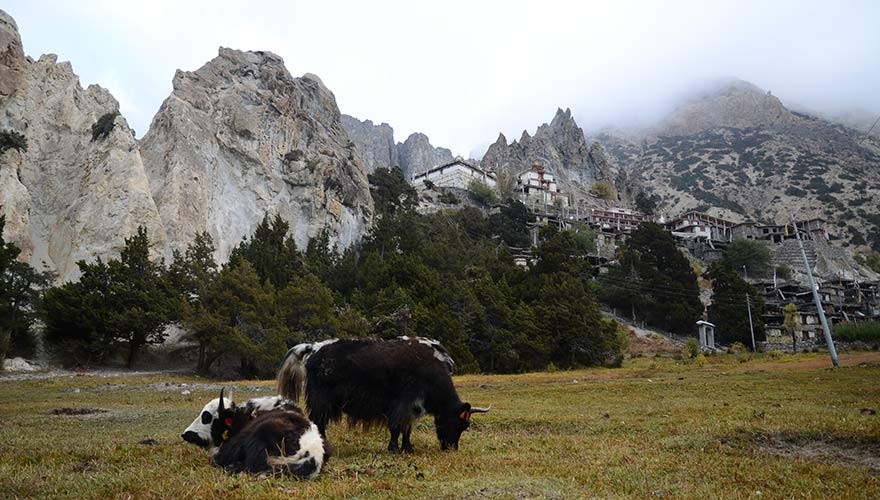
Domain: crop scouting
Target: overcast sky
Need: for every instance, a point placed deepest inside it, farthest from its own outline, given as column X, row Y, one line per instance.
column 462, row 71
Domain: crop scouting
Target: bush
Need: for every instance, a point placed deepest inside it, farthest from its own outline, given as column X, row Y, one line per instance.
column 428, row 184
column 448, row 198
column 866, row 331
column 482, row 193
column 10, row 139
column 102, row 128
column 691, row 350
column 603, row 190
column 736, row 348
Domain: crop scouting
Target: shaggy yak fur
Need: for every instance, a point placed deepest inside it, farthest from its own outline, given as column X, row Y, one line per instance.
column 266, row 435
column 374, row 381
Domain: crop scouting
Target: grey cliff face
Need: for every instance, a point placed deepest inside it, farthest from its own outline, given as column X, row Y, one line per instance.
column 560, row 147
column 67, row 197
column 240, row 137
column 417, row 155
column 374, row 143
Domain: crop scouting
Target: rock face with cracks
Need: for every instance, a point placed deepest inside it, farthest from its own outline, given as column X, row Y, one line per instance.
column 66, row 196
column 239, row 138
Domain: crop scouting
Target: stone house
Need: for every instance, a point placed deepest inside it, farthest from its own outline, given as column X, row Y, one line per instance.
column 695, row 224
column 539, row 187
column 456, row 174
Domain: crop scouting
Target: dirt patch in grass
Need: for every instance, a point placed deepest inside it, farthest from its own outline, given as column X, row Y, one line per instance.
column 76, row 411
column 826, row 449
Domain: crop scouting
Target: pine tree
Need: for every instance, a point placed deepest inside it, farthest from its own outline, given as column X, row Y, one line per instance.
column 729, row 311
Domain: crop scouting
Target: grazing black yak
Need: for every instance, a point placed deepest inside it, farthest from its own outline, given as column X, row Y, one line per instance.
column 378, row 381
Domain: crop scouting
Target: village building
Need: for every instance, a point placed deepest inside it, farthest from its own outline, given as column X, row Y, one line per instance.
column 538, row 187
column 456, row 174
column 617, row 219
column 700, row 225
column 812, row 229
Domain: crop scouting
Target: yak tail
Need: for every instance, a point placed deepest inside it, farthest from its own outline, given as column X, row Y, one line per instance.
column 292, row 373
column 306, row 467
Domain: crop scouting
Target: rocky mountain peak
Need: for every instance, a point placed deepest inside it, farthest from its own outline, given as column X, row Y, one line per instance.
column 239, row 138
column 416, row 154
column 728, row 104
column 560, row 147
column 12, row 59
column 374, row 143
column 71, row 194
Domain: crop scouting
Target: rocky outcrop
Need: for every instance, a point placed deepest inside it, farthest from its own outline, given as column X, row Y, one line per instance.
column 733, row 104
column 416, row 155
column 374, row 143
column 560, row 147
column 239, row 138
column 67, row 196
column 12, row 59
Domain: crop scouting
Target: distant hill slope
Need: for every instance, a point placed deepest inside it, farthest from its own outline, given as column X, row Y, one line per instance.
column 740, row 150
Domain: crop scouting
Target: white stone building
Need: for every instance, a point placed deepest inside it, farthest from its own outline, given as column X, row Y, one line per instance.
column 538, row 186
column 457, row 174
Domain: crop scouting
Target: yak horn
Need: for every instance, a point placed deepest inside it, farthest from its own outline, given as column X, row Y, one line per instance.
column 481, row 410
column 222, row 390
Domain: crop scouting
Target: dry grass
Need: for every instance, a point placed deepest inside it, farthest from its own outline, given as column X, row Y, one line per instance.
column 729, row 429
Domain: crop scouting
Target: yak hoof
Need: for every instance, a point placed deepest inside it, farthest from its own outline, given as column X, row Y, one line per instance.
column 408, row 449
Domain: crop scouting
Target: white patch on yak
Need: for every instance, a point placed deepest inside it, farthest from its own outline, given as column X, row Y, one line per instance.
column 202, row 425
column 311, row 446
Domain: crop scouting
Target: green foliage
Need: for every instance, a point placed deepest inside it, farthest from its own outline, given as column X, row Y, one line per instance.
column 20, row 287
column 871, row 259
column 729, row 311
column 511, row 224
column 783, row 272
column 124, row 303
column 646, row 203
column 10, row 139
column 691, row 350
column 448, row 198
column 482, row 193
column 271, row 253
column 864, row 331
column 653, row 280
column 603, row 190
column 391, row 192
column 102, row 128
column 748, row 254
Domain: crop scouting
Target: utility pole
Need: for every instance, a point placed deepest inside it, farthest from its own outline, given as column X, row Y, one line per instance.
column 751, row 328
column 828, row 340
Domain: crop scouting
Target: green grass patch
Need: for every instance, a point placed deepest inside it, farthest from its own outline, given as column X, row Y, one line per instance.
column 864, row 331
column 766, row 427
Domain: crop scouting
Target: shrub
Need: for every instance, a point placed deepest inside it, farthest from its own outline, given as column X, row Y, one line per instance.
column 603, row 190
column 691, row 350
column 428, row 184
column 482, row 193
column 448, row 198
column 736, row 348
column 102, row 128
column 866, row 331
column 10, row 139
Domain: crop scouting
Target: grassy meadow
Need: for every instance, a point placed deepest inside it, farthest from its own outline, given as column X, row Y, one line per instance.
column 734, row 427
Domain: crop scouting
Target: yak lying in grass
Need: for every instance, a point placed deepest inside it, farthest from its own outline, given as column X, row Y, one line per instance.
column 265, row 435
column 373, row 381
